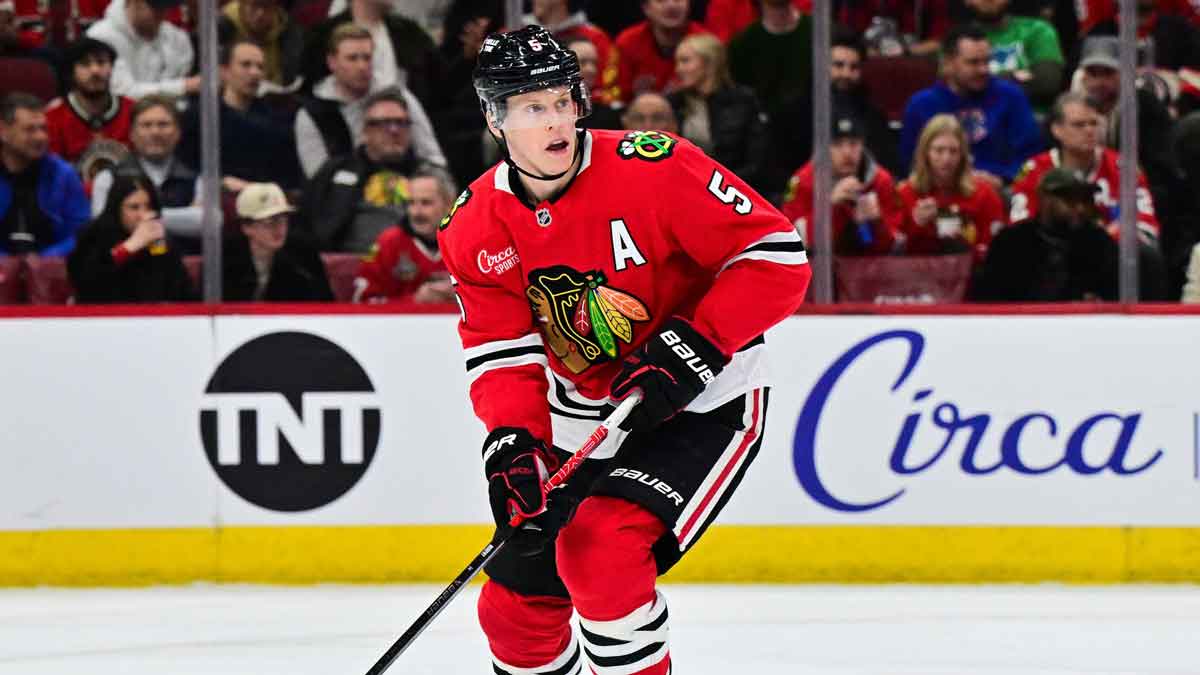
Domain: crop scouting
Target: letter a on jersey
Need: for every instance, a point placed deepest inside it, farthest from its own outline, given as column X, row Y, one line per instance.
column 624, row 250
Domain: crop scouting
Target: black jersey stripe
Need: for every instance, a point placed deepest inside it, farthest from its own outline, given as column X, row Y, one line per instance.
column 560, row 392
column 655, row 624
column 783, row 246
column 600, row 640
column 555, row 410
column 532, row 350
column 627, row 659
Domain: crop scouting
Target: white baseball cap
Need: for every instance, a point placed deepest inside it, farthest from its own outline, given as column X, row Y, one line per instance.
column 258, row 201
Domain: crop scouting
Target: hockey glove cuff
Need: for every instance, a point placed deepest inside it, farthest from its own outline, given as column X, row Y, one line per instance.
column 671, row 369
column 516, row 464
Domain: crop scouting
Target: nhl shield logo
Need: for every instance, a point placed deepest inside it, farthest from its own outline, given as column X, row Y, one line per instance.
column 543, row 217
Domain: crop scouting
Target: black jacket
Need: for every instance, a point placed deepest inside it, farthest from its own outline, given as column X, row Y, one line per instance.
column 331, row 199
column 739, row 131
column 297, row 273
column 1026, row 263
column 415, row 53
column 257, row 145
column 143, row 278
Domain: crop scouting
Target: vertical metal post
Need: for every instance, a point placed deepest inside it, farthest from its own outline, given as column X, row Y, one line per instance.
column 210, row 151
column 822, row 244
column 512, row 14
column 1129, row 153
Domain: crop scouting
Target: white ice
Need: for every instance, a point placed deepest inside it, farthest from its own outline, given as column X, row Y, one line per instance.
column 835, row 630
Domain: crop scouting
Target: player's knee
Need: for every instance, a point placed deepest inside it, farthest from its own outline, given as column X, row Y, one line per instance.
column 604, row 556
column 524, row 631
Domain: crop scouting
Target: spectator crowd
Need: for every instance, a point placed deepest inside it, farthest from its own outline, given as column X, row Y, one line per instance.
column 981, row 132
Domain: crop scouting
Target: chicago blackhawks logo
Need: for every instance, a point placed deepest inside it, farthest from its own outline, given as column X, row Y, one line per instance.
column 458, row 203
column 581, row 318
column 651, row 146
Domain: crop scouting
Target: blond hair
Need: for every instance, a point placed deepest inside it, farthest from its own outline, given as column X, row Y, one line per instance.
column 712, row 52
column 922, row 174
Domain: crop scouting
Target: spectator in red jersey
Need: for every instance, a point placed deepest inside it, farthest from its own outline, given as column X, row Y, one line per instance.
column 1075, row 124
column 650, row 111
column 647, row 49
column 263, row 262
column 90, row 125
column 866, row 213
column 568, row 23
column 721, row 117
column 405, row 264
column 282, row 40
column 123, row 256
column 946, row 207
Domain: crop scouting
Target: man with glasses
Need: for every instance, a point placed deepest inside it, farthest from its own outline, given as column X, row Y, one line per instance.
column 265, row 264
column 355, row 197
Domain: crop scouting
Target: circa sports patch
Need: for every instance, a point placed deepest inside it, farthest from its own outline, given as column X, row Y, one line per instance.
column 581, row 318
column 458, row 203
column 652, row 146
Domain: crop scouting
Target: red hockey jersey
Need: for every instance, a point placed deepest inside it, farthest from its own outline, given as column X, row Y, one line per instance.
column 72, row 130
column 397, row 264
column 650, row 228
column 877, row 237
column 1105, row 175
column 973, row 219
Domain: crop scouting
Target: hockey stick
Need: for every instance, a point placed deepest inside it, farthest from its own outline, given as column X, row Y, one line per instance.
column 464, row 577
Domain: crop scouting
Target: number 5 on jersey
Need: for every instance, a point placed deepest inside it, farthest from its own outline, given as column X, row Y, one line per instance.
column 729, row 194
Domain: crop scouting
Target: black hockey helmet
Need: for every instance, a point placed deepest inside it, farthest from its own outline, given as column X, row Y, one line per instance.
column 525, row 60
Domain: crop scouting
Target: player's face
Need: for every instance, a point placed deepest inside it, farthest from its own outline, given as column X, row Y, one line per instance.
column 668, row 14
column 267, row 234
column 351, row 65
column 155, row 134
column 690, row 68
column 426, row 205
column 589, row 61
column 26, row 136
column 845, row 68
column 540, row 130
column 245, row 70
column 945, row 157
column 1079, row 130
column 92, row 74
column 135, row 208
column 845, row 155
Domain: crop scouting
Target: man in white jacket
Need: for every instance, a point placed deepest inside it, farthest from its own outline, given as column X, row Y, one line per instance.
column 153, row 56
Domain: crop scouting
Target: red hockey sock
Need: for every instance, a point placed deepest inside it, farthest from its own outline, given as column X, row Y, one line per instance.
column 605, row 559
column 527, row 634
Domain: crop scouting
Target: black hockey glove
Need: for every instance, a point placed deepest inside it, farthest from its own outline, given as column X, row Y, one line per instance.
column 516, row 465
column 671, row 369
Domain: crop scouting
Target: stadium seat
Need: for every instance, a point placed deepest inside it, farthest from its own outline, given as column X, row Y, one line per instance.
column 341, row 268
column 47, row 281
column 12, row 281
column 32, row 76
column 194, row 264
column 891, row 81
column 911, row 280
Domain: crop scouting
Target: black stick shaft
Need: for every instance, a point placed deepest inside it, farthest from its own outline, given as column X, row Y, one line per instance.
column 460, row 582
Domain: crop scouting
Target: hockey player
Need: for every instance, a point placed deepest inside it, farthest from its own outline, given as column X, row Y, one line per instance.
column 589, row 264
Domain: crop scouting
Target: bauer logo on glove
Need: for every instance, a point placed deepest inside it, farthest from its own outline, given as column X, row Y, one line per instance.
column 671, row 370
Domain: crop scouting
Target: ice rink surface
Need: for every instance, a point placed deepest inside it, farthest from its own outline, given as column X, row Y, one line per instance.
column 839, row 630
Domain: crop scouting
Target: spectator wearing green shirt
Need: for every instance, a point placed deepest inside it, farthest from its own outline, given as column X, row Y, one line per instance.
column 1024, row 49
column 773, row 56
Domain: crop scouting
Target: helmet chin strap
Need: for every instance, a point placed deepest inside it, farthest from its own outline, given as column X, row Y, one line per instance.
column 503, row 143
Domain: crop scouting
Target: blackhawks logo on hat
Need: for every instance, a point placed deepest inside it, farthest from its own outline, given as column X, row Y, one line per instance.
column 580, row 316
column 651, row 146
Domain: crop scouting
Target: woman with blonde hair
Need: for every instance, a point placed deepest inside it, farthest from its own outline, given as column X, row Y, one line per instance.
column 721, row 117
column 947, row 208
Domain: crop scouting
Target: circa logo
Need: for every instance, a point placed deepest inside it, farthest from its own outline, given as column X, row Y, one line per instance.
column 500, row 262
column 989, row 441
column 290, row 421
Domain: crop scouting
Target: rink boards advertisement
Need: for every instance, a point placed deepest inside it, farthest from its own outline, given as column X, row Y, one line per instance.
column 342, row 446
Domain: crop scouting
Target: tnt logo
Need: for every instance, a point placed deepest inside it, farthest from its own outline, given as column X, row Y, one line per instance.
column 290, row 421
